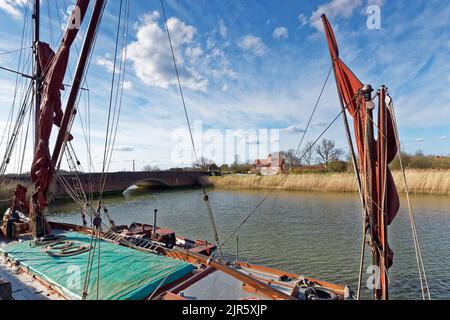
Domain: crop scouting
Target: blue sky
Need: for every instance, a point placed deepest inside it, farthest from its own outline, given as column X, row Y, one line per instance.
column 249, row 65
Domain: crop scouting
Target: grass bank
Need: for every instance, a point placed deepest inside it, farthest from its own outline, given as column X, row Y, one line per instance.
column 419, row 182
column 6, row 194
column 7, row 189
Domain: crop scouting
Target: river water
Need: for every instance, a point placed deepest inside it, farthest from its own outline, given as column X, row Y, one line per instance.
column 313, row 234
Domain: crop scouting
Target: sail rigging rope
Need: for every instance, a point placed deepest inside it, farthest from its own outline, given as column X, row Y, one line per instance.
column 116, row 93
column 205, row 194
column 84, row 84
column 417, row 248
column 113, row 81
column 85, row 206
column 282, row 180
column 50, row 22
column 16, row 87
column 311, row 117
column 119, row 92
column 26, row 141
column 111, row 134
column 14, row 51
column 15, row 132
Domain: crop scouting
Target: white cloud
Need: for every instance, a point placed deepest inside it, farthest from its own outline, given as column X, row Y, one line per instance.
column 302, row 19
column 210, row 43
column 151, row 56
column 334, row 8
column 223, row 31
column 12, row 7
column 217, row 64
column 420, row 140
column 292, row 130
column 194, row 53
column 443, row 138
column 253, row 44
column 105, row 62
column 280, row 33
column 127, row 85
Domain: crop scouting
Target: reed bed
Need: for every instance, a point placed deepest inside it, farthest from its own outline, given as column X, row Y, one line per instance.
column 419, row 182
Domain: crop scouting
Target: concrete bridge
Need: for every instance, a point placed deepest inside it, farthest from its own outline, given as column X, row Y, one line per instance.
column 120, row 181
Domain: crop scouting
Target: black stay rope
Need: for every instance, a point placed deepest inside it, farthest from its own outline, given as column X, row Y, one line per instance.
column 13, row 51
column 205, row 194
column 113, row 80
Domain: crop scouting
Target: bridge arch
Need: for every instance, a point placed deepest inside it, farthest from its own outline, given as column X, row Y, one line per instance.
column 152, row 184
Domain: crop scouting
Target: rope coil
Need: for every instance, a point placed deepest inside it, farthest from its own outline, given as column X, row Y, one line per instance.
column 65, row 248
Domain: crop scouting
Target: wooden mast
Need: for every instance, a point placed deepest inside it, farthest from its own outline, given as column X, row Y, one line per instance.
column 370, row 191
column 382, row 212
column 380, row 201
column 76, row 85
column 37, row 71
column 50, row 113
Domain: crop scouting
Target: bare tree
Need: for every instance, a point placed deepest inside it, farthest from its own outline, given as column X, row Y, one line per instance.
column 203, row 163
column 327, row 152
column 290, row 157
column 308, row 153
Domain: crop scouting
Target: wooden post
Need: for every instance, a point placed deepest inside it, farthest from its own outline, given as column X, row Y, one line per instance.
column 154, row 224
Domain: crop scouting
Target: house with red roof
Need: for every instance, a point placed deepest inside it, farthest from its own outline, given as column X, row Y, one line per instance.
column 274, row 164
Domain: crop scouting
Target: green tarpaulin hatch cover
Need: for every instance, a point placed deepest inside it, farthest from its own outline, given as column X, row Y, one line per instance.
column 125, row 274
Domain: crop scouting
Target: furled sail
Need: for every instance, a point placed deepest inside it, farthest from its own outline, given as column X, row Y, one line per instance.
column 54, row 69
column 375, row 153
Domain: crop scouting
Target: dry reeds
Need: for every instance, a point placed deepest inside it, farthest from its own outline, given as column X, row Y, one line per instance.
column 424, row 181
column 419, row 182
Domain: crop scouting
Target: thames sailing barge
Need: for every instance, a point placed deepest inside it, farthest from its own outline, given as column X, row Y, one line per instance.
column 141, row 261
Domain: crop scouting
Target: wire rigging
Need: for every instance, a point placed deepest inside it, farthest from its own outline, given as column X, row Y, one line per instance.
column 7, row 131
column 307, row 126
column 14, row 51
column 205, row 194
column 111, row 110
column 419, row 260
column 119, row 91
column 69, row 129
column 114, row 111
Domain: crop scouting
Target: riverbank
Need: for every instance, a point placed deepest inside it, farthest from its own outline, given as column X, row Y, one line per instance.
column 6, row 195
column 433, row 182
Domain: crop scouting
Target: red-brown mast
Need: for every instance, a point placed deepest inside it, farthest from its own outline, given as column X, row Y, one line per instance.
column 54, row 67
column 381, row 201
column 64, row 135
